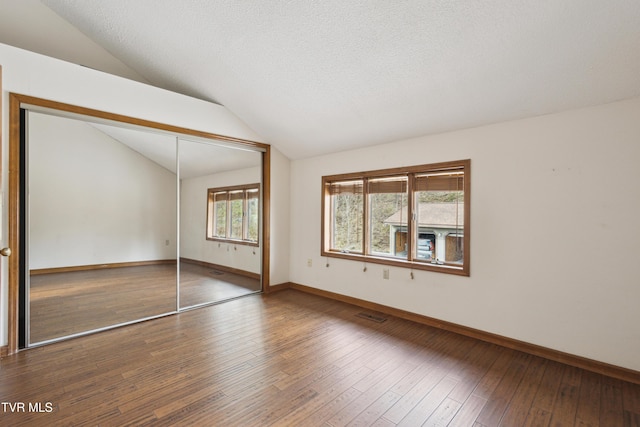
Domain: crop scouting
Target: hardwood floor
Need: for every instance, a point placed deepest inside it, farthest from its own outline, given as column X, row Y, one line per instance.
column 68, row 303
column 294, row 359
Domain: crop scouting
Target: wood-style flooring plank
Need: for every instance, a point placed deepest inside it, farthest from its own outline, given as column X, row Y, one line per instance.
column 611, row 403
column 516, row 413
column 549, row 386
column 476, row 365
column 414, row 396
column 333, row 391
column 567, row 400
column 503, row 393
column 588, row 411
column 494, row 374
column 443, row 414
column 537, row 418
column 427, row 406
column 469, row 412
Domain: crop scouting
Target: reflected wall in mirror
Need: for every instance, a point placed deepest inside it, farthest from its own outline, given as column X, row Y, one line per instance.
column 216, row 266
column 102, row 226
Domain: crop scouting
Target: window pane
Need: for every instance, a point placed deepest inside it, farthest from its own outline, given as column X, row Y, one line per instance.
column 347, row 217
column 440, row 217
column 220, row 218
column 388, row 212
column 252, row 215
column 236, row 218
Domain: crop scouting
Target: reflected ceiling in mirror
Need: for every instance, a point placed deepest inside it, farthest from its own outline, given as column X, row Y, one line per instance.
column 201, row 158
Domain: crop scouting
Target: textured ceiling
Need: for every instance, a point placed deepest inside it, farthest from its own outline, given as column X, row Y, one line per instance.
column 314, row 77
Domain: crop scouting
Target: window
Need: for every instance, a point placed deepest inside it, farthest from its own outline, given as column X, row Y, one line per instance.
column 233, row 214
column 415, row 217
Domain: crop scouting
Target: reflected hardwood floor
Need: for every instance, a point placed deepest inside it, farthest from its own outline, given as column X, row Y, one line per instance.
column 199, row 285
column 293, row 359
column 64, row 304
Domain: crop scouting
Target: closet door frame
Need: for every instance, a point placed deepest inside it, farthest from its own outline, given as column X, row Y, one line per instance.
column 18, row 102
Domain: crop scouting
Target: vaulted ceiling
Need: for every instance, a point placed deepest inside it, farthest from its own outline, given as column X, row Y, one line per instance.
column 313, row 77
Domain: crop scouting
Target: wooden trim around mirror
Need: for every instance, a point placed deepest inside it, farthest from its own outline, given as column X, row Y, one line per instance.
column 16, row 101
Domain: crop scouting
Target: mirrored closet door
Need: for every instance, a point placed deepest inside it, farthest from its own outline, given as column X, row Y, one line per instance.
column 126, row 223
column 102, row 235
column 219, row 223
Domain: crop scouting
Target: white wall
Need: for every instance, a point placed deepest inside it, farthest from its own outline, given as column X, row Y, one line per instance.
column 554, row 238
column 94, row 200
column 280, row 219
column 37, row 75
column 193, row 222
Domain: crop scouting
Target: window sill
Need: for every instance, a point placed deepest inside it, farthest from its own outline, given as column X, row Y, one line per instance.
column 233, row 242
column 415, row 265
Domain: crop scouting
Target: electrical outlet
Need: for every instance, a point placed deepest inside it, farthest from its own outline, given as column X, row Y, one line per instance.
column 385, row 273
column 166, row 242
column 309, row 262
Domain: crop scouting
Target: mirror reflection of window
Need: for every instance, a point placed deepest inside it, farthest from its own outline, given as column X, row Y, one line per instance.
column 219, row 223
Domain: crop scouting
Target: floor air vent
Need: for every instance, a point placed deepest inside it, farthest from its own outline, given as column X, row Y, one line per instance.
column 373, row 317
